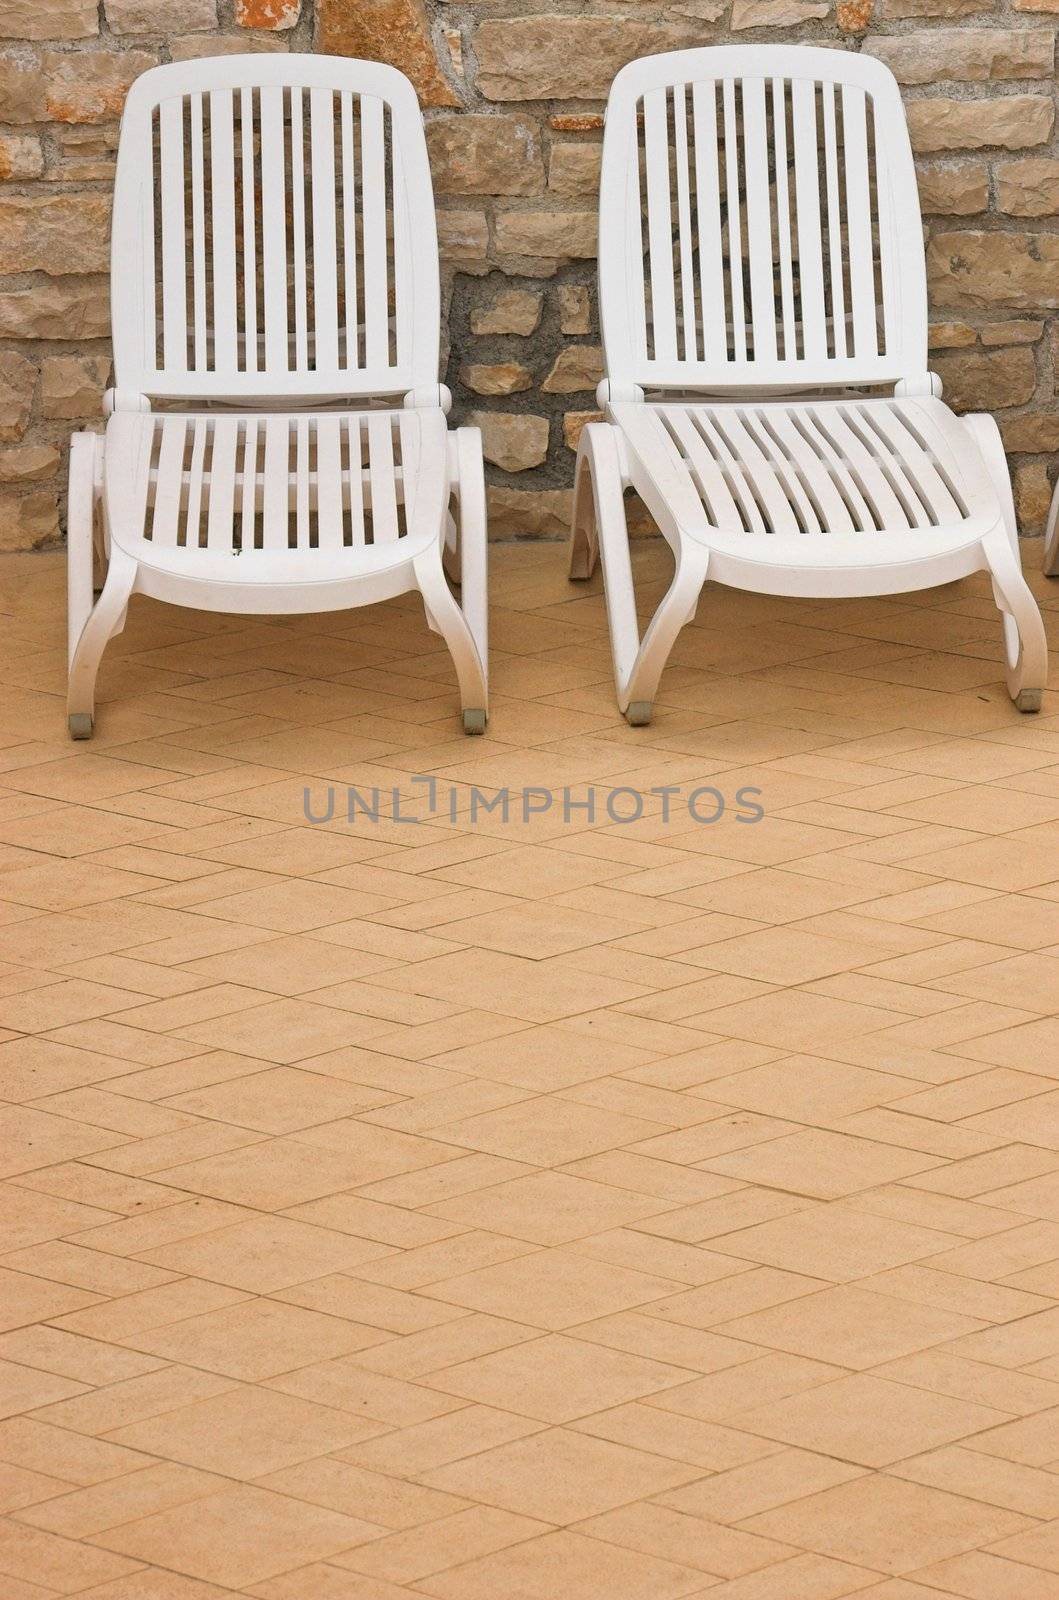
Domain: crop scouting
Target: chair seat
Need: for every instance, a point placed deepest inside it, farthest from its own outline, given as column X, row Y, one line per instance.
column 276, row 497
column 813, row 482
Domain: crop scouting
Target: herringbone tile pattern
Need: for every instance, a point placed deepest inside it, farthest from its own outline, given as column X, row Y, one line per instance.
column 454, row 1207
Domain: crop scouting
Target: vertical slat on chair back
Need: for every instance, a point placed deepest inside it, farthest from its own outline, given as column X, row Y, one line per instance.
column 759, row 225
column 265, row 211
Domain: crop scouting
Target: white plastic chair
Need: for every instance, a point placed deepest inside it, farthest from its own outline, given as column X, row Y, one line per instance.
column 761, row 260
column 275, row 264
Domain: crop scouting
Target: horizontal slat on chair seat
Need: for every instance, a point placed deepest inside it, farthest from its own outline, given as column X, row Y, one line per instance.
column 834, row 467
column 279, row 481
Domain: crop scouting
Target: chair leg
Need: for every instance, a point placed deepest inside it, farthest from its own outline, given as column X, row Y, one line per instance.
column 464, row 630
column 474, row 557
column 638, row 665
column 676, row 609
column 103, row 621
column 81, row 551
column 1025, row 644
column 1050, row 565
column 584, row 545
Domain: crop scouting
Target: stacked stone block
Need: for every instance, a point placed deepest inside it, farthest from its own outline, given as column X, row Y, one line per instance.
column 513, row 93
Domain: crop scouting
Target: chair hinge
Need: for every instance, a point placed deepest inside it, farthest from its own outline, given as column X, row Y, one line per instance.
column 124, row 400
column 608, row 393
column 428, row 398
column 924, row 385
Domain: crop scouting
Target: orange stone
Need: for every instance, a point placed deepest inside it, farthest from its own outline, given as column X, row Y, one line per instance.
column 582, row 122
column 854, row 16
column 273, row 14
column 394, row 31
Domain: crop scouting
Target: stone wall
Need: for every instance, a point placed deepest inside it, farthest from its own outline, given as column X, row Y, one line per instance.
column 512, row 91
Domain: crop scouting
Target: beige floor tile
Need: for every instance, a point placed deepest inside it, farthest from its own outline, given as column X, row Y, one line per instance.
column 283, row 1031
column 435, row 1263
column 341, row 1295
column 238, row 1536
column 742, row 1206
column 23, row 1389
column 1030, row 1440
column 100, row 1411
column 49, row 1564
column 835, row 1242
column 643, row 1332
column 40, row 1447
column 979, row 1575
column 556, row 1379
column 67, row 1355
column 1037, row 1547
column 774, row 1480
column 267, row 1254
column 439, row 1440
column 1031, row 1046
column 560, row 1476
column 1016, row 1344
column 1017, row 1392
column 556, row 1288
column 411, row 1556
column 257, row 1339
column 856, row 1522
column 31, row 1139
column 929, row 1287
column 962, row 1470
column 545, row 1058
column 641, row 1250
column 293, row 906
column 281, row 1172
column 280, row 1100
column 546, row 1131
column 660, row 1530
column 533, row 991
column 387, row 1502
column 25, row 1299
column 245, row 1432
column 806, row 1089
column 585, row 1569
column 821, row 1164
column 868, row 1421
column 848, row 1325
column 548, row 1208
column 287, row 967
column 706, row 1445
column 797, row 1020
column 726, row 1394
column 346, row 1385
column 124, row 1499
column 20, row 1488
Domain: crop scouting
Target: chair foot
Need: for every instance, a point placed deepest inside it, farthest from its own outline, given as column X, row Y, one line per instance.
column 474, row 721
column 584, row 555
column 638, row 713
column 1028, row 700
column 81, row 725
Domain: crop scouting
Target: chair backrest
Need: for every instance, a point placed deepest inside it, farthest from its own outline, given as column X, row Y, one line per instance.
column 274, row 232
column 759, row 222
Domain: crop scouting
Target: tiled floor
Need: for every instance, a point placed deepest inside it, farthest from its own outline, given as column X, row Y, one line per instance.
column 560, row 1209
